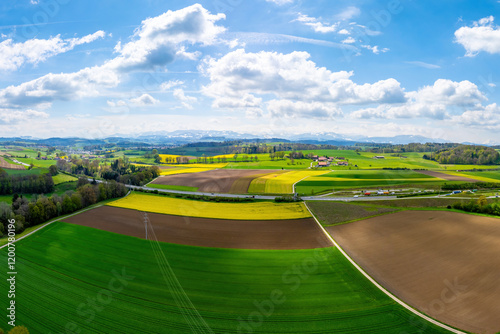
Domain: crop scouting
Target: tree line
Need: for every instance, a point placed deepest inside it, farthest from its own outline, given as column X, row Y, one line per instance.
column 479, row 206
column 466, row 155
column 31, row 184
column 42, row 208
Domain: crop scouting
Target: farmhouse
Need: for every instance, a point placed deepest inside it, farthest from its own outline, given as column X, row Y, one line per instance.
column 379, row 157
column 322, row 159
column 342, row 163
column 323, row 164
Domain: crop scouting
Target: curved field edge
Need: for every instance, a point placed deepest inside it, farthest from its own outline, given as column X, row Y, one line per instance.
column 191, row 208
column 305, row 291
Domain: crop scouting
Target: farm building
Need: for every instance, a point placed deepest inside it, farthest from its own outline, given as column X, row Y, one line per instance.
column 323, row 164
column 322, row 159
column 379, row 157
column 342, row 163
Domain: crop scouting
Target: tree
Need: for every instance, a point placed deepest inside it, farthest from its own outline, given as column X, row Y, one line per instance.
column 53, row 170
column 19, row 330
column 482, row 201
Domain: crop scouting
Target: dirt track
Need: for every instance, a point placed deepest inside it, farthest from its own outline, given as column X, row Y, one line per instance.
column 217, row 181
column 445, row 264
column 446, row 176
column 6, row 164
column 282, row 234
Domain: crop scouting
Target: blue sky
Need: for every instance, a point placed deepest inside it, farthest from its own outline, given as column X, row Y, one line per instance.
column 267, row 67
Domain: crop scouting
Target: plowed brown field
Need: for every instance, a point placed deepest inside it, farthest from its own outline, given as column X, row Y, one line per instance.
column 6, row 164
column 445, row 264
column 447, row 176
column 217, row 181
column 274, row 234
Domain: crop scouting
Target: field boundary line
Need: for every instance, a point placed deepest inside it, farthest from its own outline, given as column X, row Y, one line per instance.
column 293, row 186
column 55, row 220
column 381, row 288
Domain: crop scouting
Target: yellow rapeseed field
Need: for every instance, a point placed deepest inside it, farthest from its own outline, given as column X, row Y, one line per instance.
column 283, row 183
column 183, row 170
column 475, row 177
column 258, row 185
column 234, row 211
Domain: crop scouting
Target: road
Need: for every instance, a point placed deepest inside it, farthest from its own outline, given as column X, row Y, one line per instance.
column 272, row 197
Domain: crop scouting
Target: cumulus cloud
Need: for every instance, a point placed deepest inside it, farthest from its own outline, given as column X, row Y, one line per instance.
column 447, row 92
column 157, row 42
column 484, row 117
column 433, row 101
column 239, row 77
column 144, row 100
column 287, row 108
column 14, row 55
column 9, row 116
column 186, row 100
column 484, row 35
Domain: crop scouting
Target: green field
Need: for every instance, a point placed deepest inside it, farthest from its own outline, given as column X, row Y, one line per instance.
column 357, row 179
column 64, row 269
column 169, row 187
column 38, row 163
column 335, row 213
column 59, row 189
column 33, row 171
column 495, row 175
column 61, row 178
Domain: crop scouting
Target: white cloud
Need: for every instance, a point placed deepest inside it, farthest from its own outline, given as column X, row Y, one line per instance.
column 287, row 108
column 64, row 86
column 344, row 32
column 157, row 42
column 484, row 35
column 170, row 84
column 291, row 77
column 9, row 116
column 280, row 2
column 316, row 24
column 349, row 40
column 14, row 55
column 144, row 100
column 484, row 117
column 435, row 102
column 186, row 100
column 449, row 92
column 374, row 49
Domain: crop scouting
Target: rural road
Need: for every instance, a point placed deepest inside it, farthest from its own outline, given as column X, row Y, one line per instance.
column 270, row 197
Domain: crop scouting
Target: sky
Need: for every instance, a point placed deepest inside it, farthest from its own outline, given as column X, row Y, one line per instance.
column 74, row 68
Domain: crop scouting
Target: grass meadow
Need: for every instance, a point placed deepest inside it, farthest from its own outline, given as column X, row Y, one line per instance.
column 79, row 279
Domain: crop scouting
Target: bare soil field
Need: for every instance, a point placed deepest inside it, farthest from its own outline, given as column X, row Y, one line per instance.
column 282, row 234
column 6, row 164
column 444, row 264
column 446, row 176
column 216, row 181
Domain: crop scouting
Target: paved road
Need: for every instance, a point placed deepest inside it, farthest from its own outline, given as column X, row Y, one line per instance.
column 272, row 197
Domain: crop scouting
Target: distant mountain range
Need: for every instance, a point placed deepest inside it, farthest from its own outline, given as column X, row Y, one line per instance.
column 180, row 137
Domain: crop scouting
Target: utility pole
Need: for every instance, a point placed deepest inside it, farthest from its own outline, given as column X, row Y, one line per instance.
column 146, row 219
